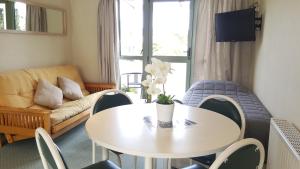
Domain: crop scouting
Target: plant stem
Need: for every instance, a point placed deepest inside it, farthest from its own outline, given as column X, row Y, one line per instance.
column 164, row 89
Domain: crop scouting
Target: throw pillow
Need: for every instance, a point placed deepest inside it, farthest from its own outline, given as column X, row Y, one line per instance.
column 70, row 89
column 48, row 95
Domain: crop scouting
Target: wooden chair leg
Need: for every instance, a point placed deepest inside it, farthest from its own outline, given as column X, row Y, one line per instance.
column 9, row 138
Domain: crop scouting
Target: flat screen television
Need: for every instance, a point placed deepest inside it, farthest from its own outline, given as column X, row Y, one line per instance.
column 235, row 26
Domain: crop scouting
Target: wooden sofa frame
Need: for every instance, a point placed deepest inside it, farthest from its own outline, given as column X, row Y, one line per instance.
column 20, row 123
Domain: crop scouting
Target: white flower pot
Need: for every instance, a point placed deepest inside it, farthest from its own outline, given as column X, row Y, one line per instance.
column 165, row 112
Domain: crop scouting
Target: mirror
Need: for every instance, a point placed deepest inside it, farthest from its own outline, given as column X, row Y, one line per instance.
column 16, row 16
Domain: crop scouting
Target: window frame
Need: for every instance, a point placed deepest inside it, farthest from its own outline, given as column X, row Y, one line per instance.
column 148, row 39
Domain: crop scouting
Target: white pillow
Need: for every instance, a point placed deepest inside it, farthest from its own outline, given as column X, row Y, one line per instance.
column 70, row 89
column 48, row 95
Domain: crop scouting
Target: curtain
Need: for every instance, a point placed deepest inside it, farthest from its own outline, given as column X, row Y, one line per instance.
column 36, row 19
column 108, row 54
column 220, row 60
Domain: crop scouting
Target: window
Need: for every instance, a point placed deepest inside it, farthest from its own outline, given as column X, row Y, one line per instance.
column 20, row 16
column 13, row 16
column 2, row 16
column 170, row 28
column 131, row 23
column 160, row 29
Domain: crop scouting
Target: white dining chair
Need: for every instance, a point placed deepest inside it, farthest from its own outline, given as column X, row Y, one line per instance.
column 228, row 107
column 245, row 154
column 52, row 156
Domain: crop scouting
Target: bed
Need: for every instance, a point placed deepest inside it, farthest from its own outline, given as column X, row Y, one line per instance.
column 257, row 116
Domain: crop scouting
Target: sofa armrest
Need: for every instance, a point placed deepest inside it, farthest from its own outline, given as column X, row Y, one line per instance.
column 15, row 120
column 97, row 87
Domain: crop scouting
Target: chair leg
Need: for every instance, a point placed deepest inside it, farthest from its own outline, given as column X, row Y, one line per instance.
column 119, row 161
column 1, row 142
column 169, row 163
column 203, row 165
column 135, row 162
column 9, row 138
column 93, row 152
column 154, row 163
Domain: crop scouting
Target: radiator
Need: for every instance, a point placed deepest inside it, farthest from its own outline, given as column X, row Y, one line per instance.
column 284, row 145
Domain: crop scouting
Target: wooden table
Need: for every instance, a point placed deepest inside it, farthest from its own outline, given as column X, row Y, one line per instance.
column 123, row 129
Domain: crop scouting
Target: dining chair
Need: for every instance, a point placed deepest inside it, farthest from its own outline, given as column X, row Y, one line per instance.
column 108, row 99
column 52, row 156
column 244, row 154
column 228, row 107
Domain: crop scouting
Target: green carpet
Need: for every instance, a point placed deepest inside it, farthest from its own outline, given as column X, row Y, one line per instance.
column 75, row 146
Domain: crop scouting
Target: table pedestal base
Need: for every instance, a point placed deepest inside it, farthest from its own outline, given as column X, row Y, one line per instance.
column 104, row 154
column 148, row 163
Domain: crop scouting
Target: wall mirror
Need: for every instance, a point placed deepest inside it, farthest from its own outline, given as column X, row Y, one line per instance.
column 25, row 16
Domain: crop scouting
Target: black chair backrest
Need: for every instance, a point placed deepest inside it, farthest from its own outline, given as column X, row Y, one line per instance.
column 108, row 101
column 247, row 157
column 48, row 155
column 223, row 107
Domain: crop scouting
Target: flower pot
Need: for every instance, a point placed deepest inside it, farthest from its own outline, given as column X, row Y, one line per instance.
column 165, row 112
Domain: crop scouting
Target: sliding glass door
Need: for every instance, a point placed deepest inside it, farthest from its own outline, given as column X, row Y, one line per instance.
column 160, row 29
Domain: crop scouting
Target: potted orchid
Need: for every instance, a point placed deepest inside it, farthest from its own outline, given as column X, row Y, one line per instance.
column 158, row 72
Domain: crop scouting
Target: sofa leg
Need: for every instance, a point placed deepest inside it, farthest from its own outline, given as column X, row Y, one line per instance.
column 9, row 138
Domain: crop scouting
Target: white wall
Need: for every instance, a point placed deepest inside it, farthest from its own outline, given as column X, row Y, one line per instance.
column 84, row 38
column 277, row 68
column 28, row 50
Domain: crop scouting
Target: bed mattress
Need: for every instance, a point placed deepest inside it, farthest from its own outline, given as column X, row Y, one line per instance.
column 257, row 116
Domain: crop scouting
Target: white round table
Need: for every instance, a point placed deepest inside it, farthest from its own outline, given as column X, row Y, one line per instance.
column 123, row 129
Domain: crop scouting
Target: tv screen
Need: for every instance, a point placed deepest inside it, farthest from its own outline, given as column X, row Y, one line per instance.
column 236, row 26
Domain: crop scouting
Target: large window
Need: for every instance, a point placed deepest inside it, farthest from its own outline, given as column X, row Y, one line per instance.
column 160, row 29
column 170, row 28
column 131, row 22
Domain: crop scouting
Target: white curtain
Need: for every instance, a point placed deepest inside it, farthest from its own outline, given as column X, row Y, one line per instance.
column 108, row 54
column 36, row 19
column 220, row 60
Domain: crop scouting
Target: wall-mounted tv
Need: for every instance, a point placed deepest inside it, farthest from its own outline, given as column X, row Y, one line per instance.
column 235, row 26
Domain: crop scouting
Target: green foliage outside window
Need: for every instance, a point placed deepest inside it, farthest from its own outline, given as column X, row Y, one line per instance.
column 17, row 19
column 1, row 19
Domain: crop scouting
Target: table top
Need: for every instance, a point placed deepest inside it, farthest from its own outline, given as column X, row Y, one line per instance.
column 124, row 129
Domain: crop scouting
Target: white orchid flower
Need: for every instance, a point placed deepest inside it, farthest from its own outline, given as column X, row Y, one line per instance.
column 152, row 89
column 156, row 61
column 149, row 68
column 159, row 71
column 160, row 80
column 166, row 68
column 148, row 81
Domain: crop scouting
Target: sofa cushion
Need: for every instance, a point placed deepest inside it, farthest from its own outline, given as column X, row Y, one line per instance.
column 69, row 109
column 48, row 95
column 70, row 89
column 16, row 89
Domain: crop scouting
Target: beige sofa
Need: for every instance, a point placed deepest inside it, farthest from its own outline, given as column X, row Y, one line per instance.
column 19, row 116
